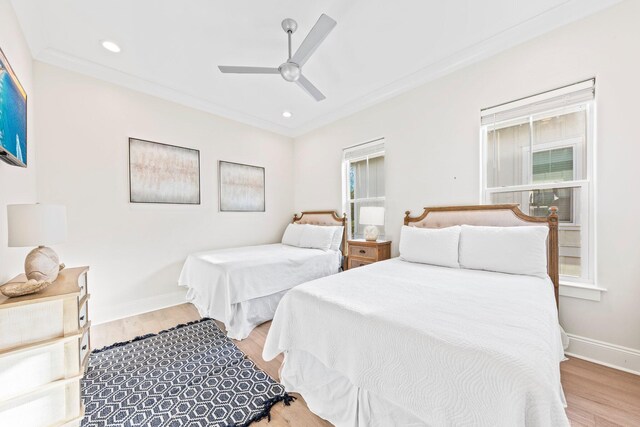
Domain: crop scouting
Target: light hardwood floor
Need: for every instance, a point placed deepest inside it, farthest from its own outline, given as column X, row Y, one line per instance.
column 597, row 395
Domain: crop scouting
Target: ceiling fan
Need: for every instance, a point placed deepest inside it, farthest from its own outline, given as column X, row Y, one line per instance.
column 291, row 69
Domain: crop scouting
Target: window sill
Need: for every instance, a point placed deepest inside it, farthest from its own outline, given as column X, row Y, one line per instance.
column 578, row 290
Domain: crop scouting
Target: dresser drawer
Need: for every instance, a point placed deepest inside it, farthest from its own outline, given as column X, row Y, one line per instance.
column 31, row 323
column 29, row 369
column 363, row 252
column 83, row 313
column 82, row 284
column 85, row 347
column 353, row 263
column 54, row 405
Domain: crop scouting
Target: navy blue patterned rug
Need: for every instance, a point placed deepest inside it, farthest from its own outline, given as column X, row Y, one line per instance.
column 188, row 375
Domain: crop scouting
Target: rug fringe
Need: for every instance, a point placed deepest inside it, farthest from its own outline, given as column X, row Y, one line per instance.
column 143, row 337
column 266, row 410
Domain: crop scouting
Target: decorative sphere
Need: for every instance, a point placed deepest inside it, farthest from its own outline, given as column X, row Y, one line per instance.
column 290, row 71
column 42, row 264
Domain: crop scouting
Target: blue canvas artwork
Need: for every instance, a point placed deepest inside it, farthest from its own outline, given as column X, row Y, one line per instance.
column 13, row 116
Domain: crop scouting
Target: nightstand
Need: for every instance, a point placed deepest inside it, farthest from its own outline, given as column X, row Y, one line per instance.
column 362, row 252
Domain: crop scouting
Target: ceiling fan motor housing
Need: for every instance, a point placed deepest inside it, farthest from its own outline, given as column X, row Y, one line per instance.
column 290, row 71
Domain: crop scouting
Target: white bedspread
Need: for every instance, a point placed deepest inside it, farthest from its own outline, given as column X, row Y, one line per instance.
column 452, row 346
column 219, row 280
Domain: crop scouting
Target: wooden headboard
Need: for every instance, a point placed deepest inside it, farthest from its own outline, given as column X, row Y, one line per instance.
column 325, row 218
column 508, row 215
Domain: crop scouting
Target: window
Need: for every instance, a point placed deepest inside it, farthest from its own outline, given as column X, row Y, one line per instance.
column 362, row 182
column 538, row 152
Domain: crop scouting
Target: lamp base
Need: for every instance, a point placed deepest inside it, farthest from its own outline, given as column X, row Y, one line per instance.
column 42, row 264
column 371, row 233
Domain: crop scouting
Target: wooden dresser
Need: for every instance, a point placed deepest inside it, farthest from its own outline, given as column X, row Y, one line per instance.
column 44, row 349
column 363, row 252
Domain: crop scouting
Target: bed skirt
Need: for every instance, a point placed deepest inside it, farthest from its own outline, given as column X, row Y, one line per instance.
column 242, row 317
column 331, row 396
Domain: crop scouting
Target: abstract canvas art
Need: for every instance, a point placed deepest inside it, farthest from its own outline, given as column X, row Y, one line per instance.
column 161, row 173
column 241, row 187
column 13, row 116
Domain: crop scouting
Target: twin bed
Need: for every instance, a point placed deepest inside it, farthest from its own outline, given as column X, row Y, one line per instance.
column 398, row 342
column 242, row 287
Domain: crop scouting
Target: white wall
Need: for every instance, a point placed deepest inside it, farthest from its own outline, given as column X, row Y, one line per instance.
column 136, row 251
column 432, row 140
column 432, row 136
column 17, row 185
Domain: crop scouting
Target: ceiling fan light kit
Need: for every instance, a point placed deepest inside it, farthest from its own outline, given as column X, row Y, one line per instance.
column 291, row 69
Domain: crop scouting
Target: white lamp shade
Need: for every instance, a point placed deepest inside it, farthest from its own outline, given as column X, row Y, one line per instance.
column 36, row 225
column 371, row 215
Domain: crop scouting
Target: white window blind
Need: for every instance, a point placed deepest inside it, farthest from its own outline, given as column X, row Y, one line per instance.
column 367, row 149
column 543, row 102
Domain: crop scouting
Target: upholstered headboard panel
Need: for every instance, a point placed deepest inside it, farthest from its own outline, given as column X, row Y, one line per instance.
column 508, row 215
column 324, row 218
column 495, row 217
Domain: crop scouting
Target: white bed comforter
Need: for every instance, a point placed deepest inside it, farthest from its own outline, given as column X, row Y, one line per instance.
column 452, row 346
column 219, row 279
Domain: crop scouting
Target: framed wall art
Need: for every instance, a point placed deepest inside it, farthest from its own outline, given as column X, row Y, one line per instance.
column 162, row 173
column 13, row 116
column 241, row 187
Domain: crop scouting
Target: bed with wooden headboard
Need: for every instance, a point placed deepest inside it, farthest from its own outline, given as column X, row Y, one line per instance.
column 505, row 215
column 412, row 343
column 242, row 287
column 328, row 218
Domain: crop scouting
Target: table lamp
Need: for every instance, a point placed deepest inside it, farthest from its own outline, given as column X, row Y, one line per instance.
column 371, row 216
column 38, row 225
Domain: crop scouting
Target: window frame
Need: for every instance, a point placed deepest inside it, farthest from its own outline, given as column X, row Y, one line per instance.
column 587, row 202
column 346, row 193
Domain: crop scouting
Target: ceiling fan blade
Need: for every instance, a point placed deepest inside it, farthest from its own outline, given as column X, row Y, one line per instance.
column 310, row 88
column 318, row 33
column 248, row 70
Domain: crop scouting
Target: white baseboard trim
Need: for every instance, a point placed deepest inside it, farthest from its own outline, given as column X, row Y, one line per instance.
column 135, row 307
column 604, row 353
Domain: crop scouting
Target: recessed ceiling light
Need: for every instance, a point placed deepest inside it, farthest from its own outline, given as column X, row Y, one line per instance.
column 286, row 114
column 111, row 46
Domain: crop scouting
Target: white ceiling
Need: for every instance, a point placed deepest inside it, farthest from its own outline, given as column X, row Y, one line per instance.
column 170, row 48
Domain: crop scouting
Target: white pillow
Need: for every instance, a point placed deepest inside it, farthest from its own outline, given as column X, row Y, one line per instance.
column 337, row 237
column 292, row 234
column 317, row 237
column 436, row 246
column 515, row 250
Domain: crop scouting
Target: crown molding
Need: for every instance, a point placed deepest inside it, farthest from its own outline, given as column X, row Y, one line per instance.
column 82, row 66
column 567, row 12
